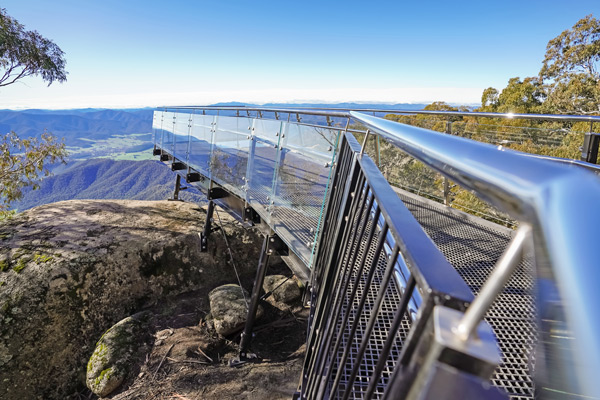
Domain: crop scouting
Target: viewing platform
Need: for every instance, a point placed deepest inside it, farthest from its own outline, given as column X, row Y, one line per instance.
column 410, row 297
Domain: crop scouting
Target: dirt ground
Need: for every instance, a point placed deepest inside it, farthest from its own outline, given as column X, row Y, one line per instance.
column 184, row 358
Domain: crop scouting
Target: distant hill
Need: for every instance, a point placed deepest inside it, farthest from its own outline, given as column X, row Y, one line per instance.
column 77, row 127
column 108, row 179
column 382, row 106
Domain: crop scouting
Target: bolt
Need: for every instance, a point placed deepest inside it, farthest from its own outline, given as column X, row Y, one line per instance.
column 326, row 165
column 330, row 148
column 276, row 133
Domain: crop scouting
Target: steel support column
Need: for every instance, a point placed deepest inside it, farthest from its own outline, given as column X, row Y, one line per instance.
column 255, row 298
column 207, row 226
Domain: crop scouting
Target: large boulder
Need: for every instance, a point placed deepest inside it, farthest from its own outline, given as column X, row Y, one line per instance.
column 70, row 270
column 283, row 289
column 110, row 362
column 229, row 309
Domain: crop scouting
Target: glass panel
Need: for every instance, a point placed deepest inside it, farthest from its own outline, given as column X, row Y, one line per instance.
column 157, row 127
column 231, row 147
column 264, row 153
column 300, row 185
column 167, row 128
column 181, row 129
column 201, row 143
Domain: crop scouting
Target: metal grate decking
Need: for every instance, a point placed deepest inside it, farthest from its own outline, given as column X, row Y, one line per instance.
column 473, row 247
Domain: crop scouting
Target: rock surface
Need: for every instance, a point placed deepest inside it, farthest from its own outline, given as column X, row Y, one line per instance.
column 284, row 291
column 110, row 362
column 228, row 308
column 72, row 269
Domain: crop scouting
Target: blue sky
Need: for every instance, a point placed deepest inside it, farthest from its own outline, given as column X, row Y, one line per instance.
column 149, row 53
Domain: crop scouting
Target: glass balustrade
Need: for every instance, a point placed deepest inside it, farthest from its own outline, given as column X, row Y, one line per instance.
column 281, row 169
column 300, row 183
column 181, row 131
column 264, row 153
column 230, row 153
column 200, row 143
column 168, row 122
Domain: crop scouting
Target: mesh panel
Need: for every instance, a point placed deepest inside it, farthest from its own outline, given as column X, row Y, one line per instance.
column 473, row 249
column 350, row 308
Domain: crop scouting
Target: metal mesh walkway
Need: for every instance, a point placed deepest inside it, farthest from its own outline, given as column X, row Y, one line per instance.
column 473, row 247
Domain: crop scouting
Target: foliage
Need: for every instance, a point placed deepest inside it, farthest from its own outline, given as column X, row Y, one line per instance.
column 567, row 83
column 25, row 53
column 22, row 161
column 571, row 69
column 519, row 96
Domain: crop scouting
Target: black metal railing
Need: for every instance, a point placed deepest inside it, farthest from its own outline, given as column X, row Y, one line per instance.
column 377, row 279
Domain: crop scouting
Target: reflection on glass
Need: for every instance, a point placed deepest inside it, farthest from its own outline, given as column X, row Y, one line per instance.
column 303, row 168
column 200, row 147
column 231, row 148
column 181, row 130
column 167, row 130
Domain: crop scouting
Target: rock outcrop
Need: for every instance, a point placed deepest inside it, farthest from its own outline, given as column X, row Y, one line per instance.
column 70, row 270
column 229, row 309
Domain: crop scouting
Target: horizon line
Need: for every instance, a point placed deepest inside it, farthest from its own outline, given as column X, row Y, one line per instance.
column 240, row 103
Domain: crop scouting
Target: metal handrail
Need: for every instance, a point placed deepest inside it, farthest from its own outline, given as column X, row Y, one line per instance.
column 559, row 203
column 344, row 112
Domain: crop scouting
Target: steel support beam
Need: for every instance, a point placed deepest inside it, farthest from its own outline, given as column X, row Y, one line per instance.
column 207, row 227
column 255, row 297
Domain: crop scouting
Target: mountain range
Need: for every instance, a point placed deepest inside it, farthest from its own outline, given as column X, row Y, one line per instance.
column 79, row 128
column 108, row 179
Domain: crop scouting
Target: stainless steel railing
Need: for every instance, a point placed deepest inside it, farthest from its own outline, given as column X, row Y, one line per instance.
column 342, row 112
column 560, row 205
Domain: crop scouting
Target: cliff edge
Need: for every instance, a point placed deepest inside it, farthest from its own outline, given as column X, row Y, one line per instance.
column 70, row 270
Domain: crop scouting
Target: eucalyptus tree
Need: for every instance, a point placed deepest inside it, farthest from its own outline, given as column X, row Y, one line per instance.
column 26, row 53
column 571, row 69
